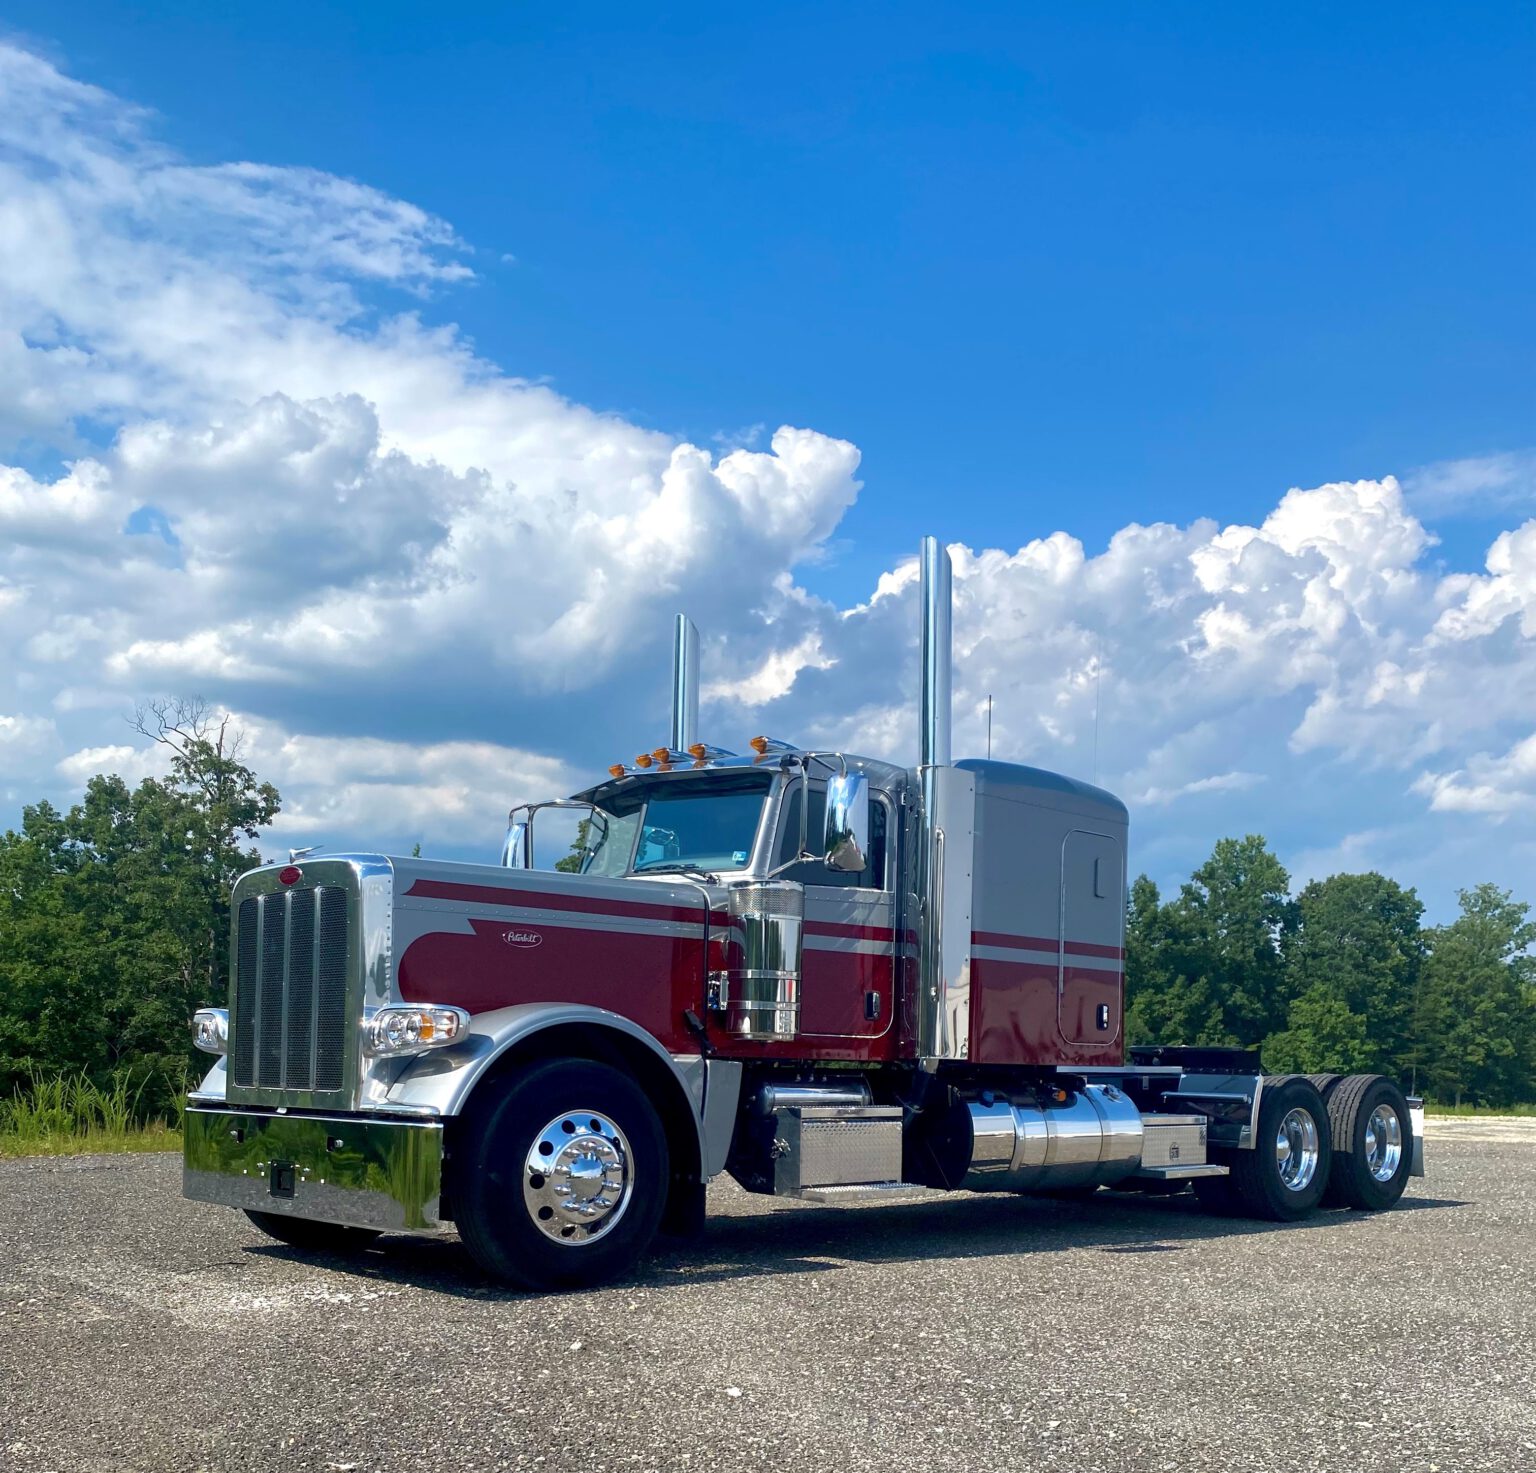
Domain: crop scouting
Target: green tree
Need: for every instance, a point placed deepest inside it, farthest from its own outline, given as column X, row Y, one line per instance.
column 1477, row 1008
column 114, row 917
column 1353, row 961
column 1227, row 929
column 1168, row 990
column 1322, row 1035
column 571, row 864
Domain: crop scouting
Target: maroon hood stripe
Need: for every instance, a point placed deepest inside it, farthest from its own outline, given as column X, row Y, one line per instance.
column 552, row 900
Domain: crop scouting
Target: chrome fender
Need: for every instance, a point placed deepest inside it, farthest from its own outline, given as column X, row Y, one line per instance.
column 441, row 1082
column 215, row 1082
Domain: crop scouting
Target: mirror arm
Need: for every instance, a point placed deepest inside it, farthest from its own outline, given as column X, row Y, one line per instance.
column 779, row 869
column 805, row 835
column 805, row 809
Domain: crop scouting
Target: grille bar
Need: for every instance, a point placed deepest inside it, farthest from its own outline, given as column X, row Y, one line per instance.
column 289, row 1022
column 331, row 988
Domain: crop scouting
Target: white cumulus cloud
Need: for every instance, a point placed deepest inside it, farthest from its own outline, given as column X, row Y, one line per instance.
column 431, row 587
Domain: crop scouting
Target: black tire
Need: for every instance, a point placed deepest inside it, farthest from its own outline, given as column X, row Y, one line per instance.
column 1259, row 1185
column 312, row 1237
column 1352, row 1182
column 495, row 1191
column 1326, row 1083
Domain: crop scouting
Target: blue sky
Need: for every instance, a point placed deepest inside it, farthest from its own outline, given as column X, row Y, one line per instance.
column 1043, row 264
column 1052, row 270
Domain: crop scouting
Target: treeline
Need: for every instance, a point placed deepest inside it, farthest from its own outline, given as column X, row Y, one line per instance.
column 114, row 916
column 114, row 927
column 1340, row 978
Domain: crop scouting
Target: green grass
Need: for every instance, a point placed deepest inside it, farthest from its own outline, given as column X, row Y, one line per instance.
column 71, row 1116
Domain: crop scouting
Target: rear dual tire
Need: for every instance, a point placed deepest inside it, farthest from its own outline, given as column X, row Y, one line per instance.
column 1284, row 1176
column 1372, row 1141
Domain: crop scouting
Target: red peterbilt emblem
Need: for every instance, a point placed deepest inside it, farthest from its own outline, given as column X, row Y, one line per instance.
column 522, row 938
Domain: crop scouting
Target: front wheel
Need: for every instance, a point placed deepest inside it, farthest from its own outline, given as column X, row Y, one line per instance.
column 560, row 1178
column 1283, row 1177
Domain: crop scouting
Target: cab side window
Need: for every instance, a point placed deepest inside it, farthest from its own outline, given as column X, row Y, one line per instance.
column 813, row 871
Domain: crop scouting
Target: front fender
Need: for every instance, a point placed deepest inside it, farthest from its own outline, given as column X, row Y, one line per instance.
column 212, row 1091
column 441, row 1082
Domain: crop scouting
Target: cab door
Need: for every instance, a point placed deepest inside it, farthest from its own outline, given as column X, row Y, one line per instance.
column 1091, row 943
column 847, row 988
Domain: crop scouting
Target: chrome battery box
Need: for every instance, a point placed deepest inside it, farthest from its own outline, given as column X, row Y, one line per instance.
column 1173, row 1140
column 834, row 1146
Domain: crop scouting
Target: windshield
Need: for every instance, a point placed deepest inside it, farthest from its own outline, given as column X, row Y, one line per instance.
column 707, row 823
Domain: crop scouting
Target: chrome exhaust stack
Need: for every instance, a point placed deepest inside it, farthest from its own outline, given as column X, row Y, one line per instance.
column 685, row 685
column 947, row 819
column 936, row 698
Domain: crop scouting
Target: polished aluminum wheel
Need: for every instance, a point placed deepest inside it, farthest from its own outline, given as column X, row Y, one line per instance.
column 1384, row 1143
column 1296, row 1149
column 578, row 1178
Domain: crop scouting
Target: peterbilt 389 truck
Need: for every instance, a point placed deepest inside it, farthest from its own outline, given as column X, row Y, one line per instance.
column 831, row 977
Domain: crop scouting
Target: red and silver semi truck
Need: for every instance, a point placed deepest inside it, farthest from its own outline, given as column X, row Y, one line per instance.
column 828, row 976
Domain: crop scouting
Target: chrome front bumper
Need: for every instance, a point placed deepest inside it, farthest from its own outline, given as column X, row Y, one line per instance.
column 383, row 1174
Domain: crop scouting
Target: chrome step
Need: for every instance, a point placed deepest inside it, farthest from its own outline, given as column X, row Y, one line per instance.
column 863, row 1191
column 1180, row 1173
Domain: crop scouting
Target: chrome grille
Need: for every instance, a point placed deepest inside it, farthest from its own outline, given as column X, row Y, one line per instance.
column 289, row 1024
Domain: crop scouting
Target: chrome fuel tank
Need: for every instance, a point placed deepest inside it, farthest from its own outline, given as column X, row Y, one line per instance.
column 1091, row 1138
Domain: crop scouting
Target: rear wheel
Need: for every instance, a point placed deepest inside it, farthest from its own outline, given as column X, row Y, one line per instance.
column 1372, row 1143
column 560, row 1179
column 312, row 1237
column 1283, row 1177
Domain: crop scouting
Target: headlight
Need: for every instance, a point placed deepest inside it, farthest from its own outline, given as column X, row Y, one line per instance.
column 411, row 1030
column 210, row 1030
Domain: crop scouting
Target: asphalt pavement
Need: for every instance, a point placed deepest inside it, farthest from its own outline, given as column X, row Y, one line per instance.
column 1125, row 1335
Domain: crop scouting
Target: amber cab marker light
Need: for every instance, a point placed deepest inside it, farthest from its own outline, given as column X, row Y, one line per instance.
column 759, row 744
column 643, row 760
column 290, row 874
column 697, row 751
column 617, row 770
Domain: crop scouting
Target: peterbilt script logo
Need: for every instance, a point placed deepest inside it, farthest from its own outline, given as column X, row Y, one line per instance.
column 522, row 938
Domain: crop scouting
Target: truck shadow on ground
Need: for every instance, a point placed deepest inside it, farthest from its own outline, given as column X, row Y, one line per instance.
column 777, row 1239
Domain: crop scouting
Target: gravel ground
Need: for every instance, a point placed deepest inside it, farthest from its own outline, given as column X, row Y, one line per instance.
column 139, row 1331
